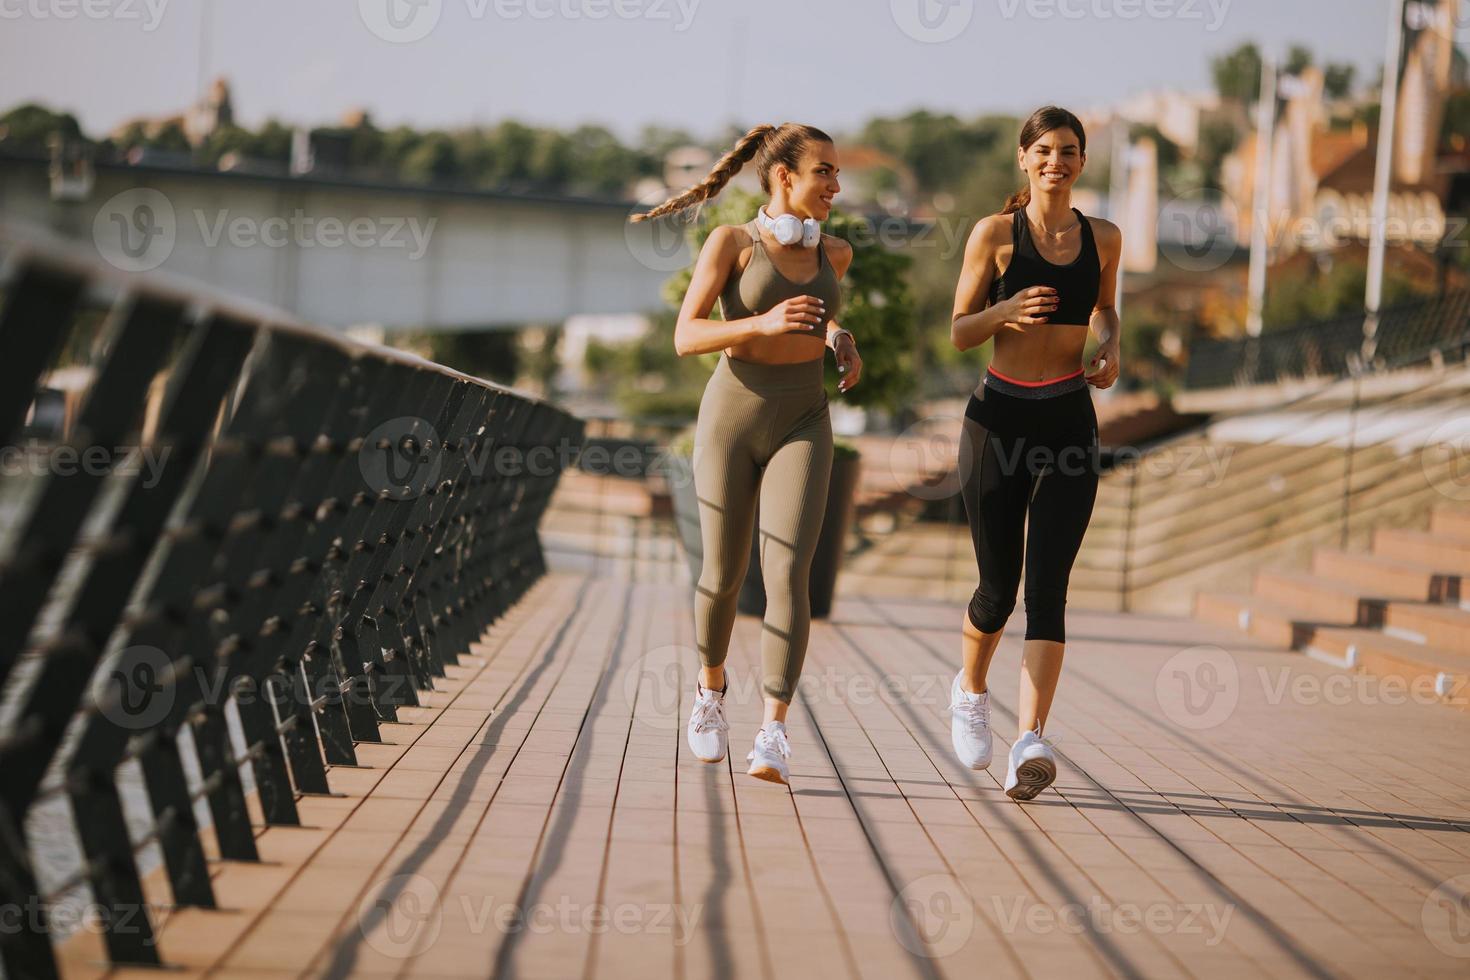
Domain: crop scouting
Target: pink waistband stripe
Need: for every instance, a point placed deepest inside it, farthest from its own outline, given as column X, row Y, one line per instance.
column 1033, row 384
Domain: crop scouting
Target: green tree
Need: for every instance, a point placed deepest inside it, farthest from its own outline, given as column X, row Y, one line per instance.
column 1337, row 81
column 1237, row 73
column 31, row 127
column 431, row 161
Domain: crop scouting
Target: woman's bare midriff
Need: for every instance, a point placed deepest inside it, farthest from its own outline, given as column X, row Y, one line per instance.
column 781, row 349
column 1039, row 351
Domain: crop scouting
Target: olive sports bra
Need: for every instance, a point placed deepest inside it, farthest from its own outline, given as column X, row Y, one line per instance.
column 760, row 285
column 1076, row 283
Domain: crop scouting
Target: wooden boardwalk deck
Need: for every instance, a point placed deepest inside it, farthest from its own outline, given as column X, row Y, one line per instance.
column 542, row 817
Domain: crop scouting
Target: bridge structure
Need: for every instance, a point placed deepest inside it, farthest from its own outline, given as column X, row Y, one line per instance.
column 339, row 252
column 290, row 687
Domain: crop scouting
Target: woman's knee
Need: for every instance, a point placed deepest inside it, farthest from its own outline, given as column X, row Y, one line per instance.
column 990, row 608
column 1046, row 615
column 720, row 579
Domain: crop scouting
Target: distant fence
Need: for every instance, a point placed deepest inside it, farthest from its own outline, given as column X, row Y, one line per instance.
column 229, row 547
column 1329, row 348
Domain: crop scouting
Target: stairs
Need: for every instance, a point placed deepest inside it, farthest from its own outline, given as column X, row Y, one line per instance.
column 1395, row 613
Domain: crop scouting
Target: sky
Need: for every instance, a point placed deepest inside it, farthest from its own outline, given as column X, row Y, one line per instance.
column 692, row 64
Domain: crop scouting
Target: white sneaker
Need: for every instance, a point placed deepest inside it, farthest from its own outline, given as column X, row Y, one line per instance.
column 1033, row 766
column 969, row 725
column 709, row 733
column 768, row 758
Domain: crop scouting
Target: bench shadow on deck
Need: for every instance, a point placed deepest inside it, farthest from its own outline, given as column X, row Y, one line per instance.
column 540, row 816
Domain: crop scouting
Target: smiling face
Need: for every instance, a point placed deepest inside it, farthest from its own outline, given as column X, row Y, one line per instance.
column 1054, row 161
column 808, row 190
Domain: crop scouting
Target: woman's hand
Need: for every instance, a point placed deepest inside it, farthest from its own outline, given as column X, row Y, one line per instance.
column 849, row 364
column 1104, row 376
column 800, row 314
column 1031, row 305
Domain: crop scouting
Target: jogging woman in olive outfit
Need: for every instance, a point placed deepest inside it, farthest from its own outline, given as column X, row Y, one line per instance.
column 764, row 431
column 1036, row 278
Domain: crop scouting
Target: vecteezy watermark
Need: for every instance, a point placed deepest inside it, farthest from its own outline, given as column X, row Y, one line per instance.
column 1343, row 688
column 1204, row 464
column 306, row 231
column 139, row 687
column 406, row 21
column 1199, row 230
column 39, row 458
column 403, row 916
column 1445, row 458
column 147, row 13
column 1099, row 916
column 1445, row 916
column 403, row 457
column 138, row 229
column 932, row 916
column 64, row 918
column 1210, row 12
column 1198, row 687
column 568, row 917
column 932, row 21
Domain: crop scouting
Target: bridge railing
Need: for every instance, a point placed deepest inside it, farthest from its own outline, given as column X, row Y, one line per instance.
column 1332, row 347
column 230, row 547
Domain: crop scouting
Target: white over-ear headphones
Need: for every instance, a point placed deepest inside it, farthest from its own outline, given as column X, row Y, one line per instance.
column 788, row 229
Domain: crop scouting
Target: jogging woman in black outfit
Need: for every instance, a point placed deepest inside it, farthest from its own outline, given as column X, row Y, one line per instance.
column 1036, row 277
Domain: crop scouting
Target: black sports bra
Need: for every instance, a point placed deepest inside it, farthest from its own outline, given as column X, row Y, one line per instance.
column 1076, row 283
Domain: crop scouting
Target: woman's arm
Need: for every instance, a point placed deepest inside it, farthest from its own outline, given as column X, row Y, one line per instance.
column 974, row 322
column 1104, row 322
column 844, row 350
column 695, row 333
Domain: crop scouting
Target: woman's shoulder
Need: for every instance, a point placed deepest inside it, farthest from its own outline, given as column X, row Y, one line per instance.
column 729, row 239
column 1106, row 234
column 992, row 231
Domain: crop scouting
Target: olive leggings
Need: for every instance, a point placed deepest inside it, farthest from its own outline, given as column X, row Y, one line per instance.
column 764, row 433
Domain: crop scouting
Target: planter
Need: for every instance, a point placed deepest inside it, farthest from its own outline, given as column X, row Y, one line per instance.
column 827, row 560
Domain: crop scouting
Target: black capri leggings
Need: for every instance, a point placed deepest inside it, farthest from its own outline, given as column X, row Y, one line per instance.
column 1028, row 446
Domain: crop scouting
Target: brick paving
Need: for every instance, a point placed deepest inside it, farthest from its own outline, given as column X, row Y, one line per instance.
column 1221, row 810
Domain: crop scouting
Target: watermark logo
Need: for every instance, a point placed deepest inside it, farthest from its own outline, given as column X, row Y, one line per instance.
column 1121, row 10
column 400, row 21
column 1445, row 458
column 138, row 691
column 402, row 916
column 1197, row 230
column 932, row 21
column 932, row 916
column 932, row 445
column 1102, row 917
column 654, row 684
column 659, row 244
column 135, row 230
column 1446, row 916
column 1198, row 688
column 401, row 458
column 148, row 12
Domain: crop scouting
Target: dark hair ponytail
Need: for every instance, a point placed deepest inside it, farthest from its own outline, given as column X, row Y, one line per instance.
column 1041, row 122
